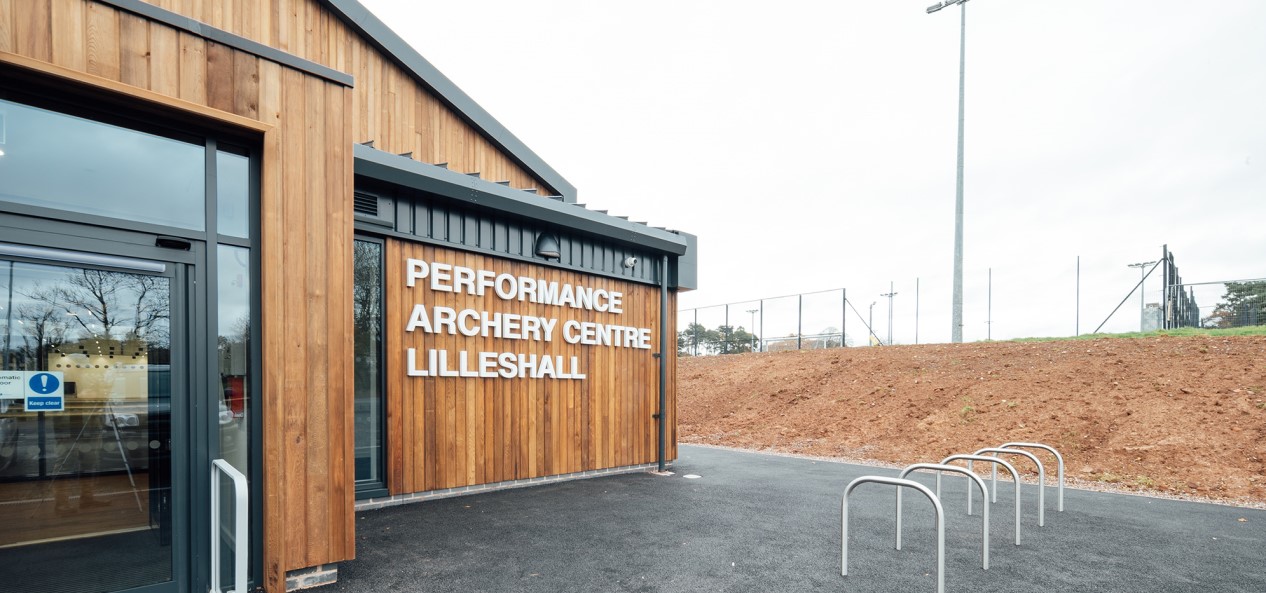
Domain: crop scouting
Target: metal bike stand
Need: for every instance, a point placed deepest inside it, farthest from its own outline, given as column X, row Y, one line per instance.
column 1014, row 476
column 984, row 549
column 1059, row 460
column 1041, row 479
column 900, row 483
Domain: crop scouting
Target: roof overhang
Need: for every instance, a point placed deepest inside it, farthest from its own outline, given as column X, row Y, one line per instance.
column 405, row 172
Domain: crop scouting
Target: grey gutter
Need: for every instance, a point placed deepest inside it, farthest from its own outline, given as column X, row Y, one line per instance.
column 223, row 37
column 406, row 172
column 391, row 45
column 662, row 416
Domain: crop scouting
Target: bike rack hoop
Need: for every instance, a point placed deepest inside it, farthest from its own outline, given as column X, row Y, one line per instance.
column 1015, row 476
column 900, row 483
column 1041, row 478
column 984, row 493
column 1059, row 461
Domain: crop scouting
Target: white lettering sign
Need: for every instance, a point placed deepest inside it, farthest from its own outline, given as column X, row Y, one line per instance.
column 476, row 323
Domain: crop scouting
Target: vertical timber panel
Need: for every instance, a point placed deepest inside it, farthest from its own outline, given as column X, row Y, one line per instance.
column 272, row 225
column 134, row 55
column 6, row 25
column 478, row 430
column 68, row 44
column 294, row 357
column 316, row 299
column 103, row 41
column 32, row 29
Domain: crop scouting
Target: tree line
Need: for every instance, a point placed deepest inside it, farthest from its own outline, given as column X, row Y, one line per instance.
column 698, row 340
column 1243, row 304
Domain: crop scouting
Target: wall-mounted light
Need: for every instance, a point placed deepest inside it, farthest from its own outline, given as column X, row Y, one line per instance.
column 547, row 246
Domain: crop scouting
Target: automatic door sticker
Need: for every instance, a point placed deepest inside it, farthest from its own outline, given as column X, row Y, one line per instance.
column 12, row 385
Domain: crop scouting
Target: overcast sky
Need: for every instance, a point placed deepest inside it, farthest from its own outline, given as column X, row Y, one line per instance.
column 811, row 145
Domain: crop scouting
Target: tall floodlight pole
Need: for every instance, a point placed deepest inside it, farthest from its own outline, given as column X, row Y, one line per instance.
column 916, row 311
column 956, row 331
column 989, row 317
column 891, row 293
column 1142, row 266
column 870, row 323
column 753, row 326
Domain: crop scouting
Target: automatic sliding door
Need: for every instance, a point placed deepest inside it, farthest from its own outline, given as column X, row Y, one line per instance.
column 86, row 486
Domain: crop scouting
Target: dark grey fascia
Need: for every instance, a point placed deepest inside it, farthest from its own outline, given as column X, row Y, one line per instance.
column 406, row 172
column 392, row 46
column 686, row 273
column 223, row 37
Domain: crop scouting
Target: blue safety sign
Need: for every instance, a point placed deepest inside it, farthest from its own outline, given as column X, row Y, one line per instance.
column 44, row 383
column 45, row 392
column 45, row 403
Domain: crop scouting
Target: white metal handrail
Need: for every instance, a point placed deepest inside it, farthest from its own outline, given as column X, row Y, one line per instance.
column 900, row 483
column 241, row 535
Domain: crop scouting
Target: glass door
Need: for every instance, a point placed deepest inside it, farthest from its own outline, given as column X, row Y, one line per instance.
column 93, row 392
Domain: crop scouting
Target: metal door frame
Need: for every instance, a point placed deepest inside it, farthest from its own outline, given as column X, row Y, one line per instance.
column 191, row 413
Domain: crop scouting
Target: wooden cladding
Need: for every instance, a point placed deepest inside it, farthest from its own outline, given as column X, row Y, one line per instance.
column 391, row 109
column 306, row 237
column 446, row 432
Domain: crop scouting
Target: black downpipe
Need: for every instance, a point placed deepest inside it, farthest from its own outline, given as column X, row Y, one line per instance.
column 663, row 359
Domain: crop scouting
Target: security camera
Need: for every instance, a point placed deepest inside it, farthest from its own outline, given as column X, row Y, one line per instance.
column 630, row 262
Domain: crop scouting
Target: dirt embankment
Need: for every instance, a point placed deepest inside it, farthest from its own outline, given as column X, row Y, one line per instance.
column 1175, row 415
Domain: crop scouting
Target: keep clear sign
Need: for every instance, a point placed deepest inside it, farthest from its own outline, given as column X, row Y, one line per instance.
column 41, row 391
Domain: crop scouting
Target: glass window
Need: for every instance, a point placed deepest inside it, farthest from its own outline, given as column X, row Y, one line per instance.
column 367, row 318
column 60, row 161
column 233, row 341
column 233, row 184
column 85, row 428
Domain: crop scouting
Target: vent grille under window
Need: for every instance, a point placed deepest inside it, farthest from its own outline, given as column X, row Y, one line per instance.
column 363, row 204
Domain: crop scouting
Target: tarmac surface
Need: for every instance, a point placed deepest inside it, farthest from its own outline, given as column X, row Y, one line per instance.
column 770, row 524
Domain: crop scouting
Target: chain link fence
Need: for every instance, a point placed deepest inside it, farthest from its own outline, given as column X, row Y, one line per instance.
column 1048, row 300
column 806, row 321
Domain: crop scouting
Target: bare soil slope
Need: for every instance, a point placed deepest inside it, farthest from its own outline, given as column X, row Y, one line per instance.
column 1178, row 415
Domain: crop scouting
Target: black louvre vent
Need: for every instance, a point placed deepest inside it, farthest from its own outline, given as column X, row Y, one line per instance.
column 363, row 204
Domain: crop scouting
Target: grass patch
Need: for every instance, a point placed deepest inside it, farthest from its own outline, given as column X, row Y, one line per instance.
column 1186, row 332
column 1109, row 478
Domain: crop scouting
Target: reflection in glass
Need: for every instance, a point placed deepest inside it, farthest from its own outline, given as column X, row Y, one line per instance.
column 234, row 354
column 86, row 490
column 367, row 317
column 232, row 182
column 60, row 161
column 233, row 339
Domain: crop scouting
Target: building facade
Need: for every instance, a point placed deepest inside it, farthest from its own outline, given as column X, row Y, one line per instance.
column 265, row 245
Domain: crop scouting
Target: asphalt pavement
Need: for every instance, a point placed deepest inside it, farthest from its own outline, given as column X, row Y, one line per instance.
column 760, row 523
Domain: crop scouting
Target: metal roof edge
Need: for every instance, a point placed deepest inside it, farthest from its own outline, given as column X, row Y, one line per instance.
column 406, row 172
column 391, row 44
column 196, row 27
